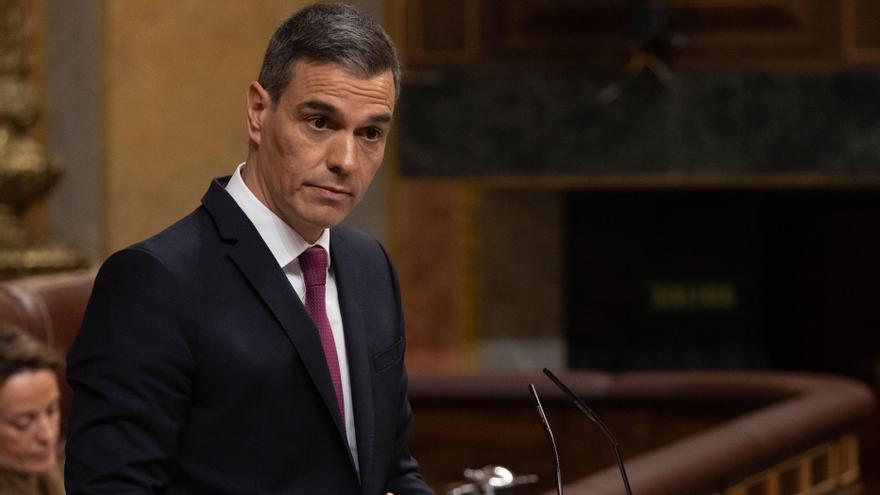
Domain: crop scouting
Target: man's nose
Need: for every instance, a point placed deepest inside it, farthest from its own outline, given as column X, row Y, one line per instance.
column 342, row 154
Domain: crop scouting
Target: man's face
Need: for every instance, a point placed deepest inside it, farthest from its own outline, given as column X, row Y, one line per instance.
column 317, row 151
column 29, row 419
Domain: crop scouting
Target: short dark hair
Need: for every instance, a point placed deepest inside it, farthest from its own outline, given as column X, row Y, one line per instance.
column 20, row 351
column 334, row 33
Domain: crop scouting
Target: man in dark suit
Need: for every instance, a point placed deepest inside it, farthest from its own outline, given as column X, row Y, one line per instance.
column 250, row 347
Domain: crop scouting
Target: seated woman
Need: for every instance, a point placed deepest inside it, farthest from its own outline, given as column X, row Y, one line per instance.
column 29, row 417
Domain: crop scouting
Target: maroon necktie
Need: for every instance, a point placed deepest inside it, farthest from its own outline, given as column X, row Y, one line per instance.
column 313, row 262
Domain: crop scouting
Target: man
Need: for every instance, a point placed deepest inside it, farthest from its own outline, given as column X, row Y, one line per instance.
column 224, row 356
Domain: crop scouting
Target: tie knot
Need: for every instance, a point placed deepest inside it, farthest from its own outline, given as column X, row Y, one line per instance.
column 313, row 262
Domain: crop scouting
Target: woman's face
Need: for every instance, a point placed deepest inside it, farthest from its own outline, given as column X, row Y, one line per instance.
column 29, row 421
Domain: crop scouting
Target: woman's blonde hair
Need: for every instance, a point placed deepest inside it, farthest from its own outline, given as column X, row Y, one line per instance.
column 19, row 352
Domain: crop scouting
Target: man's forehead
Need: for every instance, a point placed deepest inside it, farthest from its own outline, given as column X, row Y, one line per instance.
column 312, row 79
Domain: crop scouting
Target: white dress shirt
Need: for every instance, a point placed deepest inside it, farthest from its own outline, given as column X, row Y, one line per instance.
column 286, row 245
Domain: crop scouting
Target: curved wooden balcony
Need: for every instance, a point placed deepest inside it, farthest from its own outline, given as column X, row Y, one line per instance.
column 730, row 433
column 726, row 433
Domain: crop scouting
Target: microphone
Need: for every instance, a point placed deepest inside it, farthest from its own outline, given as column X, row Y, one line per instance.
column 549, row 434
column 590, row 414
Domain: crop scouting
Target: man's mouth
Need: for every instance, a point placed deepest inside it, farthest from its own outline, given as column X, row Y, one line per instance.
column 332, row 190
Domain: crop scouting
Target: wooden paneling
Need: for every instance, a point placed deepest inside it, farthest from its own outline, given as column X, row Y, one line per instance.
column 728, row 433
column 450, row 436
column 866, row 13
column 442, row 32
column 175, row 81
column 861, row 31
column 599, row 34
column 435, row 253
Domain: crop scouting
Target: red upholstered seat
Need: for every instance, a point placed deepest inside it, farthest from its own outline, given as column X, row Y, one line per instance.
column 51, row 308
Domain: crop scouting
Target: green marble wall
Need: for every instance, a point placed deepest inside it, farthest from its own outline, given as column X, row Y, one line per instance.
column 464, row 125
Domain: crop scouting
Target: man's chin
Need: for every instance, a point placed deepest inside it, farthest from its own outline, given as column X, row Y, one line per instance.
column 326, row 217
column 311, row 228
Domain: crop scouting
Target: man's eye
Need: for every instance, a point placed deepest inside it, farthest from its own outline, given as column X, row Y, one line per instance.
column 318, row 122
column 372, row 133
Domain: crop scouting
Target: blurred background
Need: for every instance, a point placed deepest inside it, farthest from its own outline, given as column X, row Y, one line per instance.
column 590, row 183
column 603, row 184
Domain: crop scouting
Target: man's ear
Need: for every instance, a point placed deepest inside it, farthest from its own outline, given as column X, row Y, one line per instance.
column 259, row 103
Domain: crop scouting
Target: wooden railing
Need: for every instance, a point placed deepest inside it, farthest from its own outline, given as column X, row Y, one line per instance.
column 730, row 433
column 724, row 433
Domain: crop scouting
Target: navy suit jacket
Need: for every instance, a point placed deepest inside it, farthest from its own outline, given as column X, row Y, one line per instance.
column 198, row 371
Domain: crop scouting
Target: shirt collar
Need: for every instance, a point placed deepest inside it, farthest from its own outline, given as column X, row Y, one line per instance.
column 285, row 243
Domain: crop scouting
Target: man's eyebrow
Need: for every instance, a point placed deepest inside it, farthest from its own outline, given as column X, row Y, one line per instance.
column 323, row 106
column 318, row 105
column 381, row 118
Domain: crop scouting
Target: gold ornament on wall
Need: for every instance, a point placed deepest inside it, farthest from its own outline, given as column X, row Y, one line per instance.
column 27, row 172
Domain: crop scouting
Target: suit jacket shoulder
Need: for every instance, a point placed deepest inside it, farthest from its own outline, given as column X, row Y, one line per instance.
column 197, row 370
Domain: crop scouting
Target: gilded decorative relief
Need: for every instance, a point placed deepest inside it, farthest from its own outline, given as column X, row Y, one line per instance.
column 27, row 173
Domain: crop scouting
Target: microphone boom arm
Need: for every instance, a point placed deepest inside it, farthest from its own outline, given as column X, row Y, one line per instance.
column 595, row 418
column 549, row 434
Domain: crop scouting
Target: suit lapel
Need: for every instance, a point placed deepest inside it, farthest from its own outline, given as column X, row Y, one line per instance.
column 349, row 283
column 253, row 258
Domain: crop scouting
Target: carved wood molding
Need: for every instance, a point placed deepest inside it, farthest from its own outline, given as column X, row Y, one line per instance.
column 597, row 34
column 861, row 37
